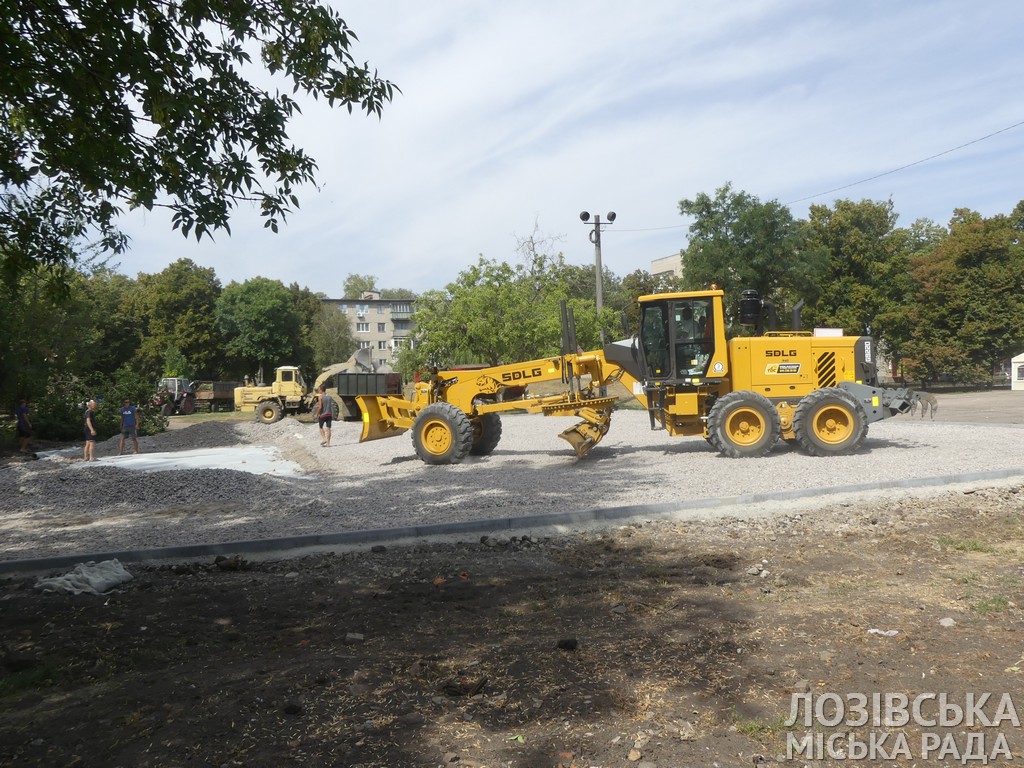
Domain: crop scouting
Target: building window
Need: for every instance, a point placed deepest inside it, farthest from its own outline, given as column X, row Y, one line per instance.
column 404, row 307
column 401, row 325
column 1020, row 373
column 364, row 345
column 382, row 327
column 382, row 345
column 362, row 327
column 380, row 309
column 344, row 309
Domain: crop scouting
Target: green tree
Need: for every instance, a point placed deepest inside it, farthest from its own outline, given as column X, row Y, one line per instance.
column 739, row 243
column 306, row 305
column 861, row 241
column 893, row 325
column 259, row 323
column 641, row 283
column 137, row 104
column 41, row 333
column 969, row 310
column 331, row 337
column 110, row 336
column 403, row 294
column 356, row 285
column 495, row 313
column 176, row 308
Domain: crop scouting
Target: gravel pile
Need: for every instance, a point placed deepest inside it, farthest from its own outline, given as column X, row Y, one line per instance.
column 59, row 505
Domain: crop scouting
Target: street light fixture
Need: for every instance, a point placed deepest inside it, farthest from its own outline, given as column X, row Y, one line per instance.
column 595, row 238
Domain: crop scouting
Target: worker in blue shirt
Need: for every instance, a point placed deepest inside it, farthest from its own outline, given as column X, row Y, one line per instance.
column 129, row 426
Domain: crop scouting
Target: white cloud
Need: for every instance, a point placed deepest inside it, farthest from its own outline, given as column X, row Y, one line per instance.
column 524, row 111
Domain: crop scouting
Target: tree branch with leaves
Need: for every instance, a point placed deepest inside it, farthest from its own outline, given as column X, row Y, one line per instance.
column 107, row 106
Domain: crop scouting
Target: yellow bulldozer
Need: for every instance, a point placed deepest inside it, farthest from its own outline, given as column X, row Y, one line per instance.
column 817, row 389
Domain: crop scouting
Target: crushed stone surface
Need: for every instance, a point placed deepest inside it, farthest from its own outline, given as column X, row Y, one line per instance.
column 59, row 505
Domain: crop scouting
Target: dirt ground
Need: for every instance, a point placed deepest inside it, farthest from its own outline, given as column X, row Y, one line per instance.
column 657, row 644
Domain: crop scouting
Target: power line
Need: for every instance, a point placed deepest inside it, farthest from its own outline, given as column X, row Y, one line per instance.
column 862, row 181
column 908, row 165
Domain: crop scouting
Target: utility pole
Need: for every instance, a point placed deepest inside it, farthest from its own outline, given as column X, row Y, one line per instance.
column 595, row 238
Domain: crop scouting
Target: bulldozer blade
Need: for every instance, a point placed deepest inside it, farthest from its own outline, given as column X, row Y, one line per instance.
column 585, row 435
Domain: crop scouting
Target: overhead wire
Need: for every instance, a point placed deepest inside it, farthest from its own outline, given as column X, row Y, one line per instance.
column 861, row 181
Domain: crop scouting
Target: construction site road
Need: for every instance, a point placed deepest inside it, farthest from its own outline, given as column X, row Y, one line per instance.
column 352, row 493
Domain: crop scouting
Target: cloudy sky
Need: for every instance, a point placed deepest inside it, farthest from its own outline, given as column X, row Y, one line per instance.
column 515, row 116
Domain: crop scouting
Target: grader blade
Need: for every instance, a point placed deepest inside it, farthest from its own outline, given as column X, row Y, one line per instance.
column 588, row 433
column 384, row 417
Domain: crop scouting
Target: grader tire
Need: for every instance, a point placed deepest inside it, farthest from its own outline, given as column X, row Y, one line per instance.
column 829, row 422
column 442, row 434
column 743, row 424
column 486, row 434
column 268, row 412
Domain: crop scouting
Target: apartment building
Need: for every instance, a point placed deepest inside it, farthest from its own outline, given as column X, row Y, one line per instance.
column 381, row 325
column 669, row 266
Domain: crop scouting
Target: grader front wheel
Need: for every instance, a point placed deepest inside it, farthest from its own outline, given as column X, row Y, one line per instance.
column 442, row 434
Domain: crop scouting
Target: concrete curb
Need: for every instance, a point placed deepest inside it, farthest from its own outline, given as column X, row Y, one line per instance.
column 552, row 520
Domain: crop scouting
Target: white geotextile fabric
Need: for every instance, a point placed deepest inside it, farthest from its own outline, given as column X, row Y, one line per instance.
column 92, row 577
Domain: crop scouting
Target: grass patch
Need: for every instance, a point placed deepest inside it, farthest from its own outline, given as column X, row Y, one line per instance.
column 989, row 605
column 970, row 578
column 40, row 676
column 223, row 416
column 965, row 545
column 760, row 730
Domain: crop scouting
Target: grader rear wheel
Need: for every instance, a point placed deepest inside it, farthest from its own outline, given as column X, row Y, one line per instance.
column 829, row 422
column 743, row 424
column 442, row 434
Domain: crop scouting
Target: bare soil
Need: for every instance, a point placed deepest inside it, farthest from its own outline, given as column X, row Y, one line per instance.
column 661, row 644
column 656, row 644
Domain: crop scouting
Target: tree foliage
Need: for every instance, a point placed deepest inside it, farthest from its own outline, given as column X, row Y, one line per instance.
column 739, row 243
column 356, row 285
column 259, row 324
column 330, row 337
column 864, row 254
column 968, row 312
column 495, row 313
column 176, row 309
column 142, row 103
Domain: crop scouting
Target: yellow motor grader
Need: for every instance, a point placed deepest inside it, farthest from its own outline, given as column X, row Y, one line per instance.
column 819, row 389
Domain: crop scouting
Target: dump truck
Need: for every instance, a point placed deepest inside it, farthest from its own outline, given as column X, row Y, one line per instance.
column 818, row 390
column 289, row 395
column 212, row 396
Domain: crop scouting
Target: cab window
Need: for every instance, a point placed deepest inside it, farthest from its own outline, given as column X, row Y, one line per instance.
column 654, row 341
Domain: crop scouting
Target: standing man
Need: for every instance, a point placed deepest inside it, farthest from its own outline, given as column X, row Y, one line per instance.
column 24, row 428
column 129, row 426
column 89, row 454
column 324, row 416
